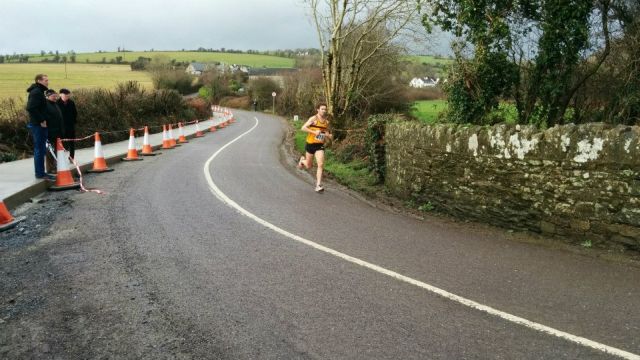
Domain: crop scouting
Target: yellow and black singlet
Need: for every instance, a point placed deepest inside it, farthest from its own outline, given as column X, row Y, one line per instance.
column 317, row 124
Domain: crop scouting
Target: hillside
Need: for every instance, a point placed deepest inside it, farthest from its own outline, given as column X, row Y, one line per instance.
column 253, row 60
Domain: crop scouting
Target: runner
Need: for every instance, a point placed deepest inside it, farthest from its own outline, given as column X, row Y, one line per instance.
column 317, row 129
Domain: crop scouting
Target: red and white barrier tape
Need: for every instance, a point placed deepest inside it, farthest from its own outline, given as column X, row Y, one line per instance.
column 78, row 139
column 126, row 131
column 82, row 188
column 75, row 163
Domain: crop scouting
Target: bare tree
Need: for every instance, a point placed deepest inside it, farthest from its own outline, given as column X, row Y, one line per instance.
column 345, row 29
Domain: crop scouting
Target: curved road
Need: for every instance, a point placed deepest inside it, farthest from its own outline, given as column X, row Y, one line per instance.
column 219, row 284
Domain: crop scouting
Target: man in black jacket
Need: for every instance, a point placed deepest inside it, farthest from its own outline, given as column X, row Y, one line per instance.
column 37, row 109
column 55, row 125
column 69, row 116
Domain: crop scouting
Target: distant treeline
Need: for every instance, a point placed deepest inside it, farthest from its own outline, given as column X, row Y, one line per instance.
column 71, row 56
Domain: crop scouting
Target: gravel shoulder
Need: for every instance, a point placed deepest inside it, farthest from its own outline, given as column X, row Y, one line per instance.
column 68, row 289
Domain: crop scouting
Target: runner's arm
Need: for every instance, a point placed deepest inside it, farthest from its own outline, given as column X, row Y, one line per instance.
column 306, row 129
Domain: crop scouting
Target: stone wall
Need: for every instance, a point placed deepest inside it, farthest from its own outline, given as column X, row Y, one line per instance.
column 577, row 181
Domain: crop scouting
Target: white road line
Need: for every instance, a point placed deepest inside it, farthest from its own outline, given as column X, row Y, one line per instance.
column 459, row 299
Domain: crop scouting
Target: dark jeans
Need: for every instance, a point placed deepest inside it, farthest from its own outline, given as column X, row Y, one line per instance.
column 39, row 135
column 70, row 145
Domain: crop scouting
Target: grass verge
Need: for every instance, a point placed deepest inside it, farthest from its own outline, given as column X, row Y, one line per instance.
column 427, row 111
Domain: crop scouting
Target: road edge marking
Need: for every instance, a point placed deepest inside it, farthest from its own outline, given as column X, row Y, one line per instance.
column 443, row 293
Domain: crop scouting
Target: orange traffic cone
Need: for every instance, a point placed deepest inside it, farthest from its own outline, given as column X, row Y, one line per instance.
column 166, row 143
column 6, row 220
column 99, row 163
column 172, row 140
column 212, row 128
column 64, row 180
column 147, row 150
column 198, row 132
column 181, row 138
column 132, row 153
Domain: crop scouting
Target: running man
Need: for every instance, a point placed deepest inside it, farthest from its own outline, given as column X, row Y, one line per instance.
column 317, row 129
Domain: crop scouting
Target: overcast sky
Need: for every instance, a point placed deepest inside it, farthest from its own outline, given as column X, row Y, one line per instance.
column 29, row 26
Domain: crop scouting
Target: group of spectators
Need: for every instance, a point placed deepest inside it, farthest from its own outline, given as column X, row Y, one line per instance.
column 51, row 116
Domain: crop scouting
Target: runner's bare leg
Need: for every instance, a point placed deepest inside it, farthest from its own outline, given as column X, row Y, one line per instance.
column 320, row 164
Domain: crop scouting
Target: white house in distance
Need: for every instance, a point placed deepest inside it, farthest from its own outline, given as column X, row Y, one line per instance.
column 196, row 68
column 424, row 82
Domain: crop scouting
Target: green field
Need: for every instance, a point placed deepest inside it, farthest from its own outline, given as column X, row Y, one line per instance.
column 431, row 60
column 427, row 110
column 15, row 78
column 252, row 60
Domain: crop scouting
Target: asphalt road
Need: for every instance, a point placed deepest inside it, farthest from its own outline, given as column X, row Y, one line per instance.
column 165, row 266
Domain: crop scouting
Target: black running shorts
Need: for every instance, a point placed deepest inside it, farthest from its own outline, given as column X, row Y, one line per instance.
column 312, row 148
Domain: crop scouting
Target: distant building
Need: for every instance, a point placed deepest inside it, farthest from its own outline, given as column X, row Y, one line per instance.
column 196, row 68
column 424, row 82
column 239, row 68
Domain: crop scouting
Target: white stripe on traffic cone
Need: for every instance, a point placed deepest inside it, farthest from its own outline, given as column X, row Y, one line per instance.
column 99, row 163
column 166, row 143
column 198, row 132
column 147, row 150
column 132, row 152
column 64, row 179
column 181, row 138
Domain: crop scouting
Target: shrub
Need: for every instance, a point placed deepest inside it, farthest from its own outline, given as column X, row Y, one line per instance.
column 168, row 79
column 432, row 93
column 129, row 105
column 111, row 112
column 15, row 140
column 351, row 147
column 243, row 102
column 200, row 108
column 301, row 92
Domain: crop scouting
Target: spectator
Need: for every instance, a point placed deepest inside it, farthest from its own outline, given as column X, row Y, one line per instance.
column 69, row 116
column 37, row 109
column 55, row 124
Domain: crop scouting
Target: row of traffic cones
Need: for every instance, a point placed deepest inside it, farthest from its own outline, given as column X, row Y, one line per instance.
column 65, row 180
column 168, row 142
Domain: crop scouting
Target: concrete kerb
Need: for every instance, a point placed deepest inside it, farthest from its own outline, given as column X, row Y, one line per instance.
column 14, row 200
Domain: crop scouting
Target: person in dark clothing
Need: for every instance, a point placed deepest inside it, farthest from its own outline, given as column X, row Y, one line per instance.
column 37, row 109
column 69, row 116
column 55, row 124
